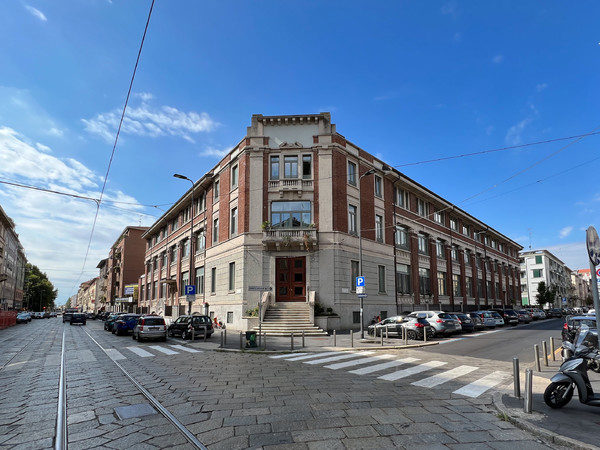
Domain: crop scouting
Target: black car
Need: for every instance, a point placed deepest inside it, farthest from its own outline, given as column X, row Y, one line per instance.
column 183, row 326
column 510, row 316
column 572, row 325
column 466, row 322
column 78, row 318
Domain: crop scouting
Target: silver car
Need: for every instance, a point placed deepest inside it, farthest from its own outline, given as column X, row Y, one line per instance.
column 391, row 324
column 442, row 322
column 150, row 327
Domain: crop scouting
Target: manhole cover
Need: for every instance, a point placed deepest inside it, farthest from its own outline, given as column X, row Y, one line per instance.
column 127, row 412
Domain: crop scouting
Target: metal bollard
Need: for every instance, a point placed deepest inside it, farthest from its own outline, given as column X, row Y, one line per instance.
column 221, row 346
column 193, row 337
column 241, row 340
column 204, row 331
column 382, row 338
column 545, row 350
column 536, row 350
column 303, row 339
column 334, row 339
column 516, row 377
column 552, row 350
column 386, row 333
column 424, row 334
column 264, row 341
column 528, row 391
column 292, row 341
column 351, row 339
column 225, row 338
column 405, row 333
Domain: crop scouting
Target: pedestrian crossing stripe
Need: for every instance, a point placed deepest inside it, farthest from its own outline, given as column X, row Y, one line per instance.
column 445, row 376
column 412, row 370
column 114, row 354
column 312, row 355
column 478, row 387
column 166, row 351
column 287, row 355
column 140, row 352
column 358, row 362
column 336, row 358
column 383, row 366
column 186, row 349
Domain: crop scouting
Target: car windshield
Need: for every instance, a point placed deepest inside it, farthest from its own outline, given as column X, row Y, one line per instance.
column 154, row 321
column 202, row 319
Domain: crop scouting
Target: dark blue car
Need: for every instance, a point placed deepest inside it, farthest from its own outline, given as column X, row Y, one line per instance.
column 125, row 324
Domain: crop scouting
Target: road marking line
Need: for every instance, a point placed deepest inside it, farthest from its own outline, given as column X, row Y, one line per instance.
column 444, row 376
column 186, row 349
column 114, row 354
column 336, row 358
column 166, row 351
column 412, row 370
column 383, row 366
column 287, row 355
column 358, row 362
column 478, row 387
column 140, row 352
column 312, row 355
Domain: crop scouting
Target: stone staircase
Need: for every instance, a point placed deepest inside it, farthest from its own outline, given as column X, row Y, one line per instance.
column 282, row 319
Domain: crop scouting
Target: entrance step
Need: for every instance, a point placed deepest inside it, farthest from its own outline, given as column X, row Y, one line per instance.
column 285, row 318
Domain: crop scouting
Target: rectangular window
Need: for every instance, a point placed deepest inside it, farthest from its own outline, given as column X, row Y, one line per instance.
column 422, row 238
column 290, row 214
column 290, row 167
column 351, row 173
column 438, row 217
column 456, row 285
column 466, row 230
column 402, row 198
column 231, row 276
column 216, row 191
column 403, row 278
column 469, row 282
column 274, row 167
column 200, row 240
column 454, row 253
column 306, row 167
column 424, row 281
column 353, row 274
column 378, row 187
column 355, row 316
column 201, row 202
column 229, row 316
column 441, row 282
column 200, row 280
column 422, row 208
column 174, row 224
column 213, row 280
column 453, row 224
column 215, row 231
column 381, row 273
column 467, row 257
column 538, row 273
column 480, row 288
column 352, row 216
column 173, row 254
column 186, row 214
column 401, row 237
column 439, row 249
column 185, row 249
column 538, row 259
column 185, row 280
column 234, row 221
column 165, row 259
column 378, row 228
column 234, row 177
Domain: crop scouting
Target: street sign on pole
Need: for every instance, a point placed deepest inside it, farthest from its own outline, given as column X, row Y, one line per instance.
column 259, row 288
column 190, row 289
column 191, row 298
column 362, row 295
column 360, row 282
column 593, row 245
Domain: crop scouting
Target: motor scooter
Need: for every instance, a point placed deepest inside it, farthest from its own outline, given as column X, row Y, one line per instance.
column 573, row 372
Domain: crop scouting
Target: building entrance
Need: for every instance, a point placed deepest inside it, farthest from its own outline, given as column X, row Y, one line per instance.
column 291, row 279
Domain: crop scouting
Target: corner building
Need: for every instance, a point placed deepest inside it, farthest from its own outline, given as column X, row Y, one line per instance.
column 285, row 210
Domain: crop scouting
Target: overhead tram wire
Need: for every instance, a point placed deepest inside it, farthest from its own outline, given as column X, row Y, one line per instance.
column 115, row 143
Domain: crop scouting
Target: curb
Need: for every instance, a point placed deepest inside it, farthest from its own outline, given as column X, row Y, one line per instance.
column 542, row 433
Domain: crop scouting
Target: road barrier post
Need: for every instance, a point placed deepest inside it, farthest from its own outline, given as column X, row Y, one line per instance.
column 334, row 339
column 303, row 339
column 536, row 351
column 292, row 341
column 545, row 350
column 221, row 346
column 351, row 339
column 516, row 377
column 528, row 391
column 241, row 340
column 552, row 350
column 382, row 338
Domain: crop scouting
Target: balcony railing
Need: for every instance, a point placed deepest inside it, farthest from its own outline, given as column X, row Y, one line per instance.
column 290, row 239
column 293, row 184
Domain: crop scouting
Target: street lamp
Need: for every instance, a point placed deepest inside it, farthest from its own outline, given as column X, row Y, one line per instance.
column 360, row 255
column 182, row 177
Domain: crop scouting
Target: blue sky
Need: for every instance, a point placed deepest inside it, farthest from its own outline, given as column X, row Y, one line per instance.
column 408, row 81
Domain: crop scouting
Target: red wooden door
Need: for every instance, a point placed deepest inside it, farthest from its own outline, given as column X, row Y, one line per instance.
column 291, row 279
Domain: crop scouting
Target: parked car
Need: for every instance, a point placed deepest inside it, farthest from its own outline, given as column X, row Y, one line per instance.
column 538, row 314
column 524, row 316
column 53, row 314
column 466, row 322
column 510, row 316
column 78, row 318
column 554, row 312
column 124, row 324
column 183, row 326
column 487, row 318
column 416, row 327
column 23, row 317
column 392, row 324
column 68, row 313
column 110, row 321
column 442, row 323
column 38, row 315
column 498, row 318
column 150, row 327
column 477, row 321
column 91, row 315
column 573, row 324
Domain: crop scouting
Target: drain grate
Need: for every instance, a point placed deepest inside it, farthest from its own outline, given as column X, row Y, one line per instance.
column 140, row 410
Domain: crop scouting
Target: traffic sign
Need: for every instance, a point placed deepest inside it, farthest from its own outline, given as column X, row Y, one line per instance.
column 260, row 288
column 360, row 281
column 593, row 245
column 362, row 295
column 191, row 298
column 190, row 289
column 598, row 273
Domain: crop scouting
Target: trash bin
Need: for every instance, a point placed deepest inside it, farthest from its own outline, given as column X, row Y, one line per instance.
column 250, row 339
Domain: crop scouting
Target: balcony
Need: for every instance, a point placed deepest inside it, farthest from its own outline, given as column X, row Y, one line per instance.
column 285, row 239
column 290, row 184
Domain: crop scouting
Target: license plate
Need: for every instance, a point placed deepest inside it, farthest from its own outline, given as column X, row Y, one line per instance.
column 153, row 328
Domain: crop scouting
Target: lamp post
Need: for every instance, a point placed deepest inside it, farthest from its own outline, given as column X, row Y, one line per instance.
column 182, row 177
column 360, row 255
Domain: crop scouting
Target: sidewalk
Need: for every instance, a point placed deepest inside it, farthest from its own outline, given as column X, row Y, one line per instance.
column 575, row 426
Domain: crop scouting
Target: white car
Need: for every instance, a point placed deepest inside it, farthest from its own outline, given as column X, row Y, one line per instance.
column 498, row 318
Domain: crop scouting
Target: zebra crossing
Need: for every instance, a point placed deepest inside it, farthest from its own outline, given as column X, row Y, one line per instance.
column 144, row 352
column 389, row 367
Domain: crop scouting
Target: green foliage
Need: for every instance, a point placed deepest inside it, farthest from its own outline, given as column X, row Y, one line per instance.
column 320, row 310
column 252, row 312
column 546, row 294
column 39, row 291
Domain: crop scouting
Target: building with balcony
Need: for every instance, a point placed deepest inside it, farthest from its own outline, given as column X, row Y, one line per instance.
column 541, row 265
column 294, row 209
column 124, row 266
column 12, row 265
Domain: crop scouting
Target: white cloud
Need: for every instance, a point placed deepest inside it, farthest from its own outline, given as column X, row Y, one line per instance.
column 55, row 132
column 146, row 120
column 540, row 87
column 574, row 255
column 55, row 229
column 497, row 59
column 36, row 13
column 514, row 134
column 565, row 232
column 211, row 151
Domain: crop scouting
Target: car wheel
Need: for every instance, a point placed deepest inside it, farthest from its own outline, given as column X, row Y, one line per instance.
column 164, row 339
column 70, row 323
column 170, row 333
column 133, row 336
column 412, row 335
column 185, row 335
column 113, row 331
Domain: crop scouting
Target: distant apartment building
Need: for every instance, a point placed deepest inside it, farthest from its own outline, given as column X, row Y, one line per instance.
column 103, row 285
column 581, row 287
column 124, row 266
column 87, row 295
column 295, row 208
column 541, row 265
column 12, row 266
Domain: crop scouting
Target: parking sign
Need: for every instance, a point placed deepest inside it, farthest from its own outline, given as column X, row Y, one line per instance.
column 360, row 281
column 190, row 289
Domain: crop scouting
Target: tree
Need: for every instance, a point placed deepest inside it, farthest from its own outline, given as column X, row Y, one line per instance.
column 546, row 295
column 39, row 290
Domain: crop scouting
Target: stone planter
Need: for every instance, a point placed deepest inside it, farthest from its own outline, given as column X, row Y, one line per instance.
column 328, row 323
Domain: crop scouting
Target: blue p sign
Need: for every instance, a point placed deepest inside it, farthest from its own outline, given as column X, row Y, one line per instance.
column 360, row 281
column 190, row 289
